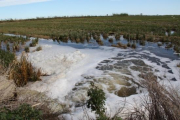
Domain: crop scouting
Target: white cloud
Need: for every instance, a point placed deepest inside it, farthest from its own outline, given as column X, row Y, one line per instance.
column 18, row 2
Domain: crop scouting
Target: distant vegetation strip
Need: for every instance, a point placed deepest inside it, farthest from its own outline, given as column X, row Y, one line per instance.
column 80, row 28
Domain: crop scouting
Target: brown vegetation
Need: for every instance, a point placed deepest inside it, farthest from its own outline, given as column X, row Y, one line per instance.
column 23, row 71
column 163, row 103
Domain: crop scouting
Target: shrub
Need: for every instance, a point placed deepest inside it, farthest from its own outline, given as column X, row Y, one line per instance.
column 97, row 100
column 23, row 112
column 23, row 71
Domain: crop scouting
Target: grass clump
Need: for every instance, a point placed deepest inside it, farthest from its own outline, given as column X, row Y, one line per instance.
column 6, row 58
column 111, row 40
column 142, row 42
column 39, row 48
column 105, row 35
column 16, row 47
column 26, row 49
column 129, row 44
column 133, row 46
column 34, row 42
column 120, row 45
column 117, row 36
column 23, row 71
column 99, row 41
column 23, row 112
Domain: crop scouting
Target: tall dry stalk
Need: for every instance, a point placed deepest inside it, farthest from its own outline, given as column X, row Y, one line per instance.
column 163, row 103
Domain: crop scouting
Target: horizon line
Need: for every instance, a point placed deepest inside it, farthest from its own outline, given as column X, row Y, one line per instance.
column 72, row 16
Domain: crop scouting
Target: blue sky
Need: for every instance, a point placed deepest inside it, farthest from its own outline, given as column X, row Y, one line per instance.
column 20, row 9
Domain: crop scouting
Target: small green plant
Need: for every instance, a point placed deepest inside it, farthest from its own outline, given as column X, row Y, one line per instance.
column 23, row 112
column 97, row 100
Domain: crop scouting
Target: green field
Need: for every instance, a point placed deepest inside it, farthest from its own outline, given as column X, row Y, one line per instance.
column 121, row 24
column 151, row 28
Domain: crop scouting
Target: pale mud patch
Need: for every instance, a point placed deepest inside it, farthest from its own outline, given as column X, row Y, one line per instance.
column 7, row 88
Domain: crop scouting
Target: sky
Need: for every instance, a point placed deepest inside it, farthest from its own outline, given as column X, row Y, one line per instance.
column 23, row 9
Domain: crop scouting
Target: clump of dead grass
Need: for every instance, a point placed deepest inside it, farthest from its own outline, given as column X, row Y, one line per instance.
column 23, row 71
column 162, row 103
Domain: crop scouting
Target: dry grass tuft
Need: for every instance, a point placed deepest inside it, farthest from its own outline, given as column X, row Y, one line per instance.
column 163, row 103
column 23, row 71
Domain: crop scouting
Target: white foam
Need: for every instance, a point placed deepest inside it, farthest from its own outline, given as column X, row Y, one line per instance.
column 66, row 65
